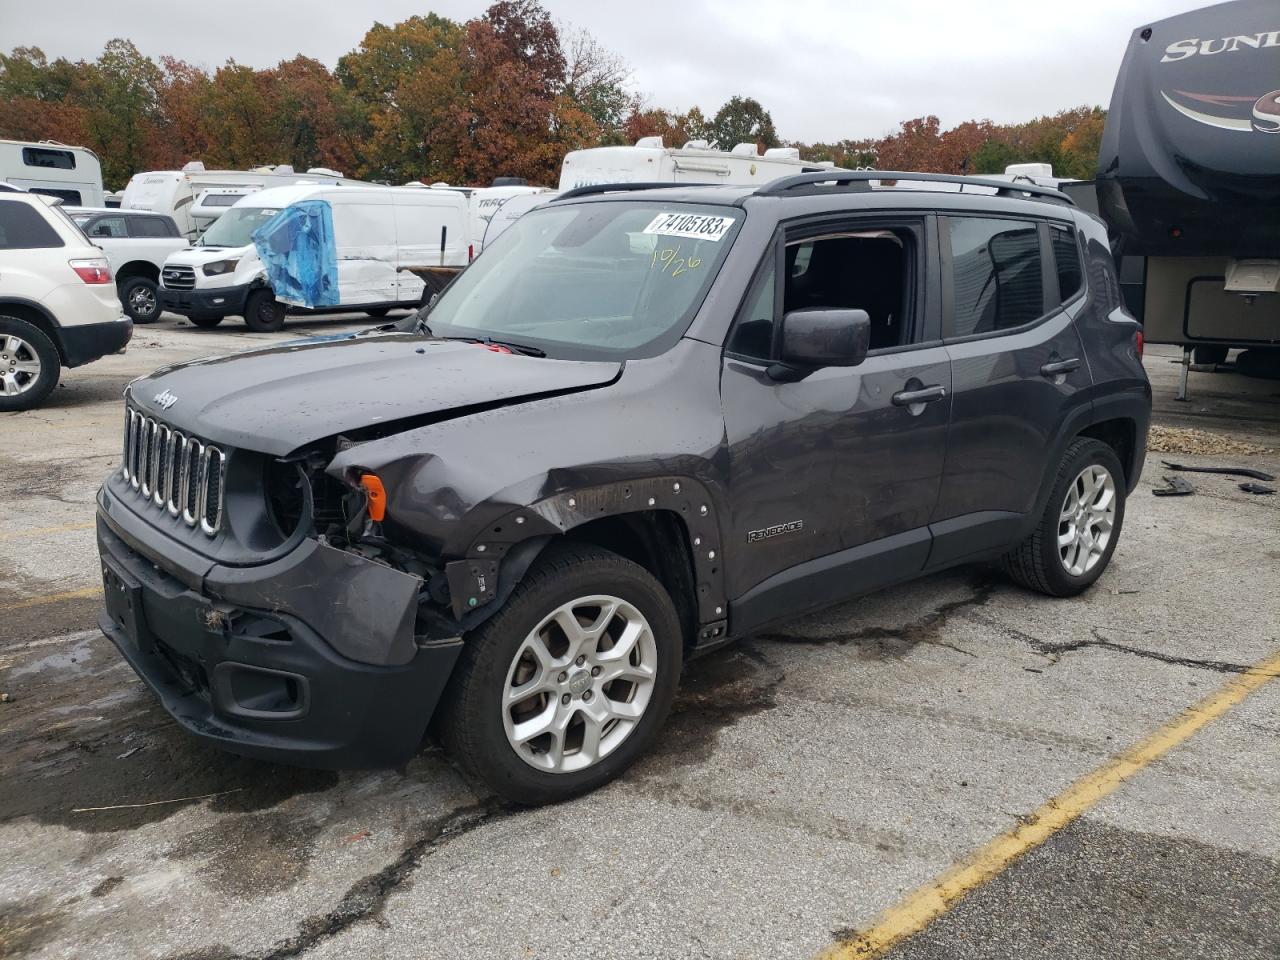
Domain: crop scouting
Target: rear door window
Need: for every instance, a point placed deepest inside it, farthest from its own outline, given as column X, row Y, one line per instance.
column 997, row 278
column 1066, row 256
column 23, row 228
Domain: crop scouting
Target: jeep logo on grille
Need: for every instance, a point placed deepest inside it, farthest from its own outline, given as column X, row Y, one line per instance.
column 164, row 400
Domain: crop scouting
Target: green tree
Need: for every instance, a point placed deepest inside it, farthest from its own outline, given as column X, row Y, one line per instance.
column 743, row 120
column 120, row 96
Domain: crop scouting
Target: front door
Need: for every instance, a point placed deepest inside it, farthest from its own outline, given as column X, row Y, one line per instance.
column 833, row 479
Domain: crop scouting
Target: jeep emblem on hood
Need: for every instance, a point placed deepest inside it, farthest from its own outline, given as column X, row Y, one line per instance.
column 164, row 400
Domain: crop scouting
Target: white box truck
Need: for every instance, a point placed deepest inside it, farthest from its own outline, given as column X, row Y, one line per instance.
column 390, row 247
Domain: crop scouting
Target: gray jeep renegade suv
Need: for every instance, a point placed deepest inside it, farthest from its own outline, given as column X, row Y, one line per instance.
column 646, row 421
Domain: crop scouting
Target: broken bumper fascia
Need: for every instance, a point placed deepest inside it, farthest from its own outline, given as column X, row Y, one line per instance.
column 251, row 667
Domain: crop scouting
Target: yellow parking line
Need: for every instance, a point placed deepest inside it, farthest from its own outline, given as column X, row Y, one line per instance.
column 52, row 598
column 37, row 531
column 926, row 904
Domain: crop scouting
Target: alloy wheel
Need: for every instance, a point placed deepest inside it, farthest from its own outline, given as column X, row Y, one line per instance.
column 142, row 301
column 579, row 684
column 19, row 366
column 1086, row 520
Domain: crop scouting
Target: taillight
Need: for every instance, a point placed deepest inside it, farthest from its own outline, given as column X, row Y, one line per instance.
column 1137, row 343
column 95, row 270
column 471, row 252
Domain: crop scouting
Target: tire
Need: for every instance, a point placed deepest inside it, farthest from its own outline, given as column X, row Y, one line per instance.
column 378, row 311
column 141, row 299
column 1214, row 354
column 263, row 313
column 474, row 724
column 29, row 365
column 1042, row 562
column 206, row 321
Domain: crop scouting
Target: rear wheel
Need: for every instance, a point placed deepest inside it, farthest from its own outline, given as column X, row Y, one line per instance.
column 141, row 299
column 1080, row 527
column 29, row 364
column 263, row 313
column 206, row 321
column 569, row 682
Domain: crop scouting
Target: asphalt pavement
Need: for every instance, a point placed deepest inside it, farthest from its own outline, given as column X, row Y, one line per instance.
column 811, row 782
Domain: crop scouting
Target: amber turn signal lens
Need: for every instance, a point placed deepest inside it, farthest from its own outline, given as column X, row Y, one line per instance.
column 377, row 496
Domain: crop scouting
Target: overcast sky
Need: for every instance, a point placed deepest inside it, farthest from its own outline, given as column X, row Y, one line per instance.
column 825, row 69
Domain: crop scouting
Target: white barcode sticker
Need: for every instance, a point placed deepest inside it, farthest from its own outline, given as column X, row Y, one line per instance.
column 694, row 226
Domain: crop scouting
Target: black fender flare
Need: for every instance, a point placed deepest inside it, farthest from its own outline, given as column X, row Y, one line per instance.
column 481, row 576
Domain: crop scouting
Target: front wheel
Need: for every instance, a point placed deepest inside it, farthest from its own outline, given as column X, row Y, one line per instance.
column 1078, row 532
column 141, row 299
column 29, row 364
column 263, row 313
column 569, row 682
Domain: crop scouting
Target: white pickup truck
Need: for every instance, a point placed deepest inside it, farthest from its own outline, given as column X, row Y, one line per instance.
column 137, row 244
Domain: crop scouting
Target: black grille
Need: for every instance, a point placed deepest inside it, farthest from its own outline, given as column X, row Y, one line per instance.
column 178, row 278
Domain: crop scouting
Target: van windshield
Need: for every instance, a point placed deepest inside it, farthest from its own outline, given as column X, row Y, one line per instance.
column 596, row 280
column 235, row 227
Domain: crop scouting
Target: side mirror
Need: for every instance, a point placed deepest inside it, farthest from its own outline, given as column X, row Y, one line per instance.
column 812, row 339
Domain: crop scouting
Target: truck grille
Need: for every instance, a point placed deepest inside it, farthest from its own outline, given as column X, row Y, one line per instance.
column 174, row 472
column 178, row 278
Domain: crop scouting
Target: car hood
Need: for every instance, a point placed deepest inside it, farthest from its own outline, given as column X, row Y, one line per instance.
column 281, row 398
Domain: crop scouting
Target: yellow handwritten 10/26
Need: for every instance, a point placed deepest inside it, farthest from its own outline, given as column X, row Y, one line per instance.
column 672, row 262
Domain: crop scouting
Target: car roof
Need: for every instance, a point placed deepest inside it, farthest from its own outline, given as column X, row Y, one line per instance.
column 114, row 211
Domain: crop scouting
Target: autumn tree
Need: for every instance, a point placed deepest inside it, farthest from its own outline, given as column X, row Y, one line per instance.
column 36, row 100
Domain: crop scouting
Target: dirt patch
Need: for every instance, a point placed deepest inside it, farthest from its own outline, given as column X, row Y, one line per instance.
column 1203, row 442
column 88, row 733
column 253, row 854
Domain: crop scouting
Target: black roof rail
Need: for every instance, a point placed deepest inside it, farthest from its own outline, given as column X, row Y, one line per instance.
column 859, row 181
column 595, row 188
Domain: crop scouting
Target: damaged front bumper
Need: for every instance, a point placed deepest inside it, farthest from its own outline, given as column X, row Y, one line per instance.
column 309, row 660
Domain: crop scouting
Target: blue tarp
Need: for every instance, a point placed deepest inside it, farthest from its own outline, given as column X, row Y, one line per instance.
column 299, row 254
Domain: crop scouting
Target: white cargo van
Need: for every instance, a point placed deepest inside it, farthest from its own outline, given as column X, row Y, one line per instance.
column 483, row 203
column 195, row 197
column 390, row 247
column 72, row 174
column 651, row 161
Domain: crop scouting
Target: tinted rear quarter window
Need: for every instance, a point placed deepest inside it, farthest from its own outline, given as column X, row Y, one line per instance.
column 997, row 277
column 1066, row 254
column 23, row 228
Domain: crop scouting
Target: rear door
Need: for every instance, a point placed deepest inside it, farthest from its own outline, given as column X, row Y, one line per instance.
column 833, row 479
column 1018, row 368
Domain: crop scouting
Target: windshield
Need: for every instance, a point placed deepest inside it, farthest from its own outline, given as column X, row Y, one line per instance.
column 235, row 227
column 591, row 280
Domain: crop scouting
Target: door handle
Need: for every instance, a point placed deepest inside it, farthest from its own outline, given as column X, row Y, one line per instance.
column 907, row 398
column 1056, row 368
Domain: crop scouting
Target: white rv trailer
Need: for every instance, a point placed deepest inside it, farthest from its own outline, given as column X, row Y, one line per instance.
column 72, row 174
column 651, row 161
column 196, row 197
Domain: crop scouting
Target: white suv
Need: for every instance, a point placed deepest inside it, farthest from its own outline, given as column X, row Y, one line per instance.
column 58, row 304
